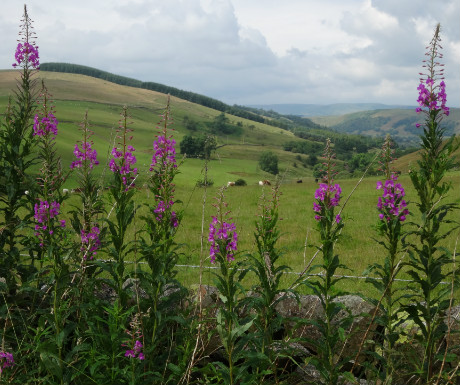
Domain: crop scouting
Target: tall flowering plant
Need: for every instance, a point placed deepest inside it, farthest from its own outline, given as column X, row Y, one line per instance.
column 16, row 149
column 45, row 129
column 51, row 242
column 122, row 193
column 429, row 263
column 164, row 217
column 158, row 248
column 392, row 213
column 48, row 227
column 268, row 287
column 223, row 239
column 85, row 216
column 330, row 223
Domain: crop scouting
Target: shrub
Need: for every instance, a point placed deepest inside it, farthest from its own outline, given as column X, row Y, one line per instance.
column 269, row 162
column 204, row 183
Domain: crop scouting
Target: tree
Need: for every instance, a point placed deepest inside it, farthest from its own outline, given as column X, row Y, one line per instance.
column 201, row 147
column 220, row 124
column 269, row 162
column 190, row 124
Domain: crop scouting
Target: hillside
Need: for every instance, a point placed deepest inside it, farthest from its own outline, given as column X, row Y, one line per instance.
column 399, row 123
column 239, row 145
column 238, row 149
column 310, row 110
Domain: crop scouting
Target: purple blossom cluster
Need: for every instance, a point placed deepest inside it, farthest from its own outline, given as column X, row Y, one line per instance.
column 44, row 213
column 90, row 241
column 327, row 197
column 84, row 154
column 428, row 97
column 45, row 125
column 6, row 360
column 161, row 209
column 136, row 351
column 392, row 204
column 26, row 52
column 222, row 233
column 164, row 152
column 125, row 163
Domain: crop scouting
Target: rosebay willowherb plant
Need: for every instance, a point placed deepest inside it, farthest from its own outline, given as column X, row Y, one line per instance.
column 122, row 193
column 51, row 234
column 429, row 263
column 85, row 216
column 223, row 238
column 328, row 360
column 16, row 149
column 392, row 209
column 166, row 358
column 268, row 290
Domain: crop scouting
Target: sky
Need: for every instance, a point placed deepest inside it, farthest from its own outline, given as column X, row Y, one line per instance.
column 250, row 51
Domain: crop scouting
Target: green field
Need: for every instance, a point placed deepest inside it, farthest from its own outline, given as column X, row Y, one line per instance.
column 236, row 157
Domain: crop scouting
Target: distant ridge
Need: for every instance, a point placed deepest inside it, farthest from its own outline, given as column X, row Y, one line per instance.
column 328, row 109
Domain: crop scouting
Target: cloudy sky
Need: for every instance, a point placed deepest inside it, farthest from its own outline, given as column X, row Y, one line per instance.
column 250, row 51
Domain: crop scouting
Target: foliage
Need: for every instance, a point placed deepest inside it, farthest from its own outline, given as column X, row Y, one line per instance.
column 200, row 147
column 269, row 162
column 428, row 260
column 328, row 361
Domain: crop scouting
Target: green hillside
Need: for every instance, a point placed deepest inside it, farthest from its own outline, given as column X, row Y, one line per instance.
column 238, row 149
column 297, row 142
column 399, row 123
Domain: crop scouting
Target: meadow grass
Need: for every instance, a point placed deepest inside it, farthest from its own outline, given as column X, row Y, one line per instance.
column 357, row 246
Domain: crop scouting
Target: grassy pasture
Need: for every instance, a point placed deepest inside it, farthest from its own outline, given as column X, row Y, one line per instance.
column 357, row 247
column 236, row 157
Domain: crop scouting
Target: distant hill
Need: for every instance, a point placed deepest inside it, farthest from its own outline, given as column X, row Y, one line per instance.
column 399, row 123
column 325, row 110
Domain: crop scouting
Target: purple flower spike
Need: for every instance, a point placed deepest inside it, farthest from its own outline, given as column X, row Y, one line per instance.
column 222, row 233
column 45, row 214
column 164, row 152
column 26, row 53
column 6, row 360
column 86, row 153
column 122, row 163
column 327, row 197
column 46, row 125
column 90, row 242
column 391, row 204
column 136, row 351
column 434, row 97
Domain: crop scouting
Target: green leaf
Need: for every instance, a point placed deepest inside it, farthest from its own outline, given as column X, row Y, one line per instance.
column 240, row 330
column 51, row 362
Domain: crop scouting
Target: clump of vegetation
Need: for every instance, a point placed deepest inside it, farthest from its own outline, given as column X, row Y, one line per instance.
column 268, row 162
column 204, row 183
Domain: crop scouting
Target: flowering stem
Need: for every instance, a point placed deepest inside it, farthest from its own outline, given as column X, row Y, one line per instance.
column 428, row 261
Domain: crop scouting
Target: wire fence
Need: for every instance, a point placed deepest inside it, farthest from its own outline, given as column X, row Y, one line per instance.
column 285, row 272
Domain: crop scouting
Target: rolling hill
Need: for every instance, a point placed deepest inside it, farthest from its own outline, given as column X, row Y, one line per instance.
column 399, row 123
column 238, row 152
column 310, row 110
column 298, row 143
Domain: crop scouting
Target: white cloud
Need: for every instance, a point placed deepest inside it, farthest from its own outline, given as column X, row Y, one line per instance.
column 250, row 51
